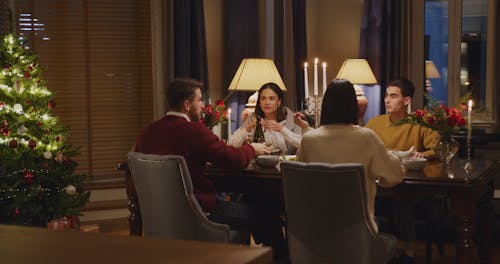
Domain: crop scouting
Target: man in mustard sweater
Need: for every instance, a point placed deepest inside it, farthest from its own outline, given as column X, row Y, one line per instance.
column 402, row 137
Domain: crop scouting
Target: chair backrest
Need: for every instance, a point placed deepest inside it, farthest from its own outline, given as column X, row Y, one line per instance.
column 168, row 205
column 327, row 215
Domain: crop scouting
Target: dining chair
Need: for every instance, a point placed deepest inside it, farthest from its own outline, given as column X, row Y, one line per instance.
column 168, row 205
column 327, row 215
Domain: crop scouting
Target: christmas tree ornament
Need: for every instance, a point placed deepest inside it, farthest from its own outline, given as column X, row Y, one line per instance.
column 28, row 176
column 51, row 104
column 13, row 144
column 2, row 105
column 31, row 144
column 18, row 108
column 47, row 155
column 22, row 130
column 70, row 190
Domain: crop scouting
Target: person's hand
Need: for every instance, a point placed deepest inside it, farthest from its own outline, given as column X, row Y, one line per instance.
column 260, row 149
column 419, row 155
column 272, row 125
column 299, row 120
column 252, row 124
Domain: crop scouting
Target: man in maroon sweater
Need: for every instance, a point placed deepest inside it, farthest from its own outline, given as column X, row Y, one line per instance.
column 179, row 132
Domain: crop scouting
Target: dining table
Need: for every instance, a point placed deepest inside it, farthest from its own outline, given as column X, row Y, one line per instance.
column 470, row 193
column 21, row 244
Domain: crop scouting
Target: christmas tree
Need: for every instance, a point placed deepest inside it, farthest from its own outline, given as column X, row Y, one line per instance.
column 37, row 183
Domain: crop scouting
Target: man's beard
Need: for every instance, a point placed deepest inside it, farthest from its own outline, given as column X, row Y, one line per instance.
column 193, row 115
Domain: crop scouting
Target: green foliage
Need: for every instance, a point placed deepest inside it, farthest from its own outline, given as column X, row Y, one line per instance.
column 37, row 183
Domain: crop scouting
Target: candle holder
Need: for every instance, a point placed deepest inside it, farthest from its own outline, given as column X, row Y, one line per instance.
column 468, row 165
column 313, row 108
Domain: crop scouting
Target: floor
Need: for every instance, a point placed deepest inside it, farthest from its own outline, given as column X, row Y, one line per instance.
column 120, row 227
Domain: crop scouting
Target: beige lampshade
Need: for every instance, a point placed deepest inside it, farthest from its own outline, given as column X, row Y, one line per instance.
column 253, row 73
column 357, row 71
column 431, row 71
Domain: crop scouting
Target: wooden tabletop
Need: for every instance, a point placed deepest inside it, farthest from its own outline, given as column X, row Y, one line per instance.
column 39, row 245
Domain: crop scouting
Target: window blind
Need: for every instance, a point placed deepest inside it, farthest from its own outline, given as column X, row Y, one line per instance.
column 96, row 56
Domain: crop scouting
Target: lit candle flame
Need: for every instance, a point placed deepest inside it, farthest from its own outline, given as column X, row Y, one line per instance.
column 469, row 103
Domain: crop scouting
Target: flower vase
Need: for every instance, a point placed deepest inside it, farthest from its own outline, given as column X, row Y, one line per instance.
column 445, row 150
column 217, row 130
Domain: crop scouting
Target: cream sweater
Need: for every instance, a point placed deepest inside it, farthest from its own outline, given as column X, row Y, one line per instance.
column 340, row 143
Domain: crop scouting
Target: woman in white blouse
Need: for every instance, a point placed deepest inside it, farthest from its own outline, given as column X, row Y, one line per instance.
column 277, row 123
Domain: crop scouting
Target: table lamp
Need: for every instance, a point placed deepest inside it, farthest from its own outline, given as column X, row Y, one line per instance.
column 255, row 72
column 358, row 71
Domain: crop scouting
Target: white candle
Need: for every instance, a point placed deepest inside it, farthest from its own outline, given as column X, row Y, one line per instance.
column 323, row 65
column 306, row 81
column 408, row 108
column 228, row 123
column 315, row 91
column 469, row 119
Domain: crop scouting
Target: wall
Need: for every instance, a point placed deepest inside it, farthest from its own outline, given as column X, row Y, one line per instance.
column 333, row 28
column 215, row 54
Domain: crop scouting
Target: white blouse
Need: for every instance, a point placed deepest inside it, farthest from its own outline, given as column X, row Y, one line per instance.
column 287, row 140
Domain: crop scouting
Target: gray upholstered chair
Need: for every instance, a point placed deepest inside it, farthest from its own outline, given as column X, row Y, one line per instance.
column 327, row 216
column 168, row 205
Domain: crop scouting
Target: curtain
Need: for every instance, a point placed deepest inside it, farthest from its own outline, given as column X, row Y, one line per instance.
column 383, row 40
column 241, row 31
column 496, row 67
column 300, row 48
column 190, row 51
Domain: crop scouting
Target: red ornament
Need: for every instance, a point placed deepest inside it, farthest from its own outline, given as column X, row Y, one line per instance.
column 17, row 211
column 5, row 131
column 28, row 176
column 39, row 123
column 32, row 144
column 51, row 104
column 4, row 123
column 13, row 144
column 57, row 138
column 2, row 105
column 27, row 75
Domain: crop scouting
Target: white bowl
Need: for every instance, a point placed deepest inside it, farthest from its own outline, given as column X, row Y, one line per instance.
column 414, row 163
column 267, row 161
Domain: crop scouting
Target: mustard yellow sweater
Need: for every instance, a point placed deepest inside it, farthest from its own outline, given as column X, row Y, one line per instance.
column 402, row 137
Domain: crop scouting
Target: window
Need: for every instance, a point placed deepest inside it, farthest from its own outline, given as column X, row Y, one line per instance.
column 459, row 40
column 96, row 56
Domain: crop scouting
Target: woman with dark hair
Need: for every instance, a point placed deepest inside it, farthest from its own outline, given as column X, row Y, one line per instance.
column 276, row 122
column 340, row 140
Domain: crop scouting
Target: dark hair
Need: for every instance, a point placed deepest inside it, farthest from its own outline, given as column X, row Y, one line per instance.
column 339, row 104
column 405, row 85
column 281, row 111
column 181, row 89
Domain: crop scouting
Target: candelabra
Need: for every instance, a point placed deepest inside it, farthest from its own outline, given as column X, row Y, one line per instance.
column 313, row 108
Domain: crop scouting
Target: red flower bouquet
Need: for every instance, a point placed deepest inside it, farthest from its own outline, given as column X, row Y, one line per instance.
column 212, row 115
column 445, row 120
